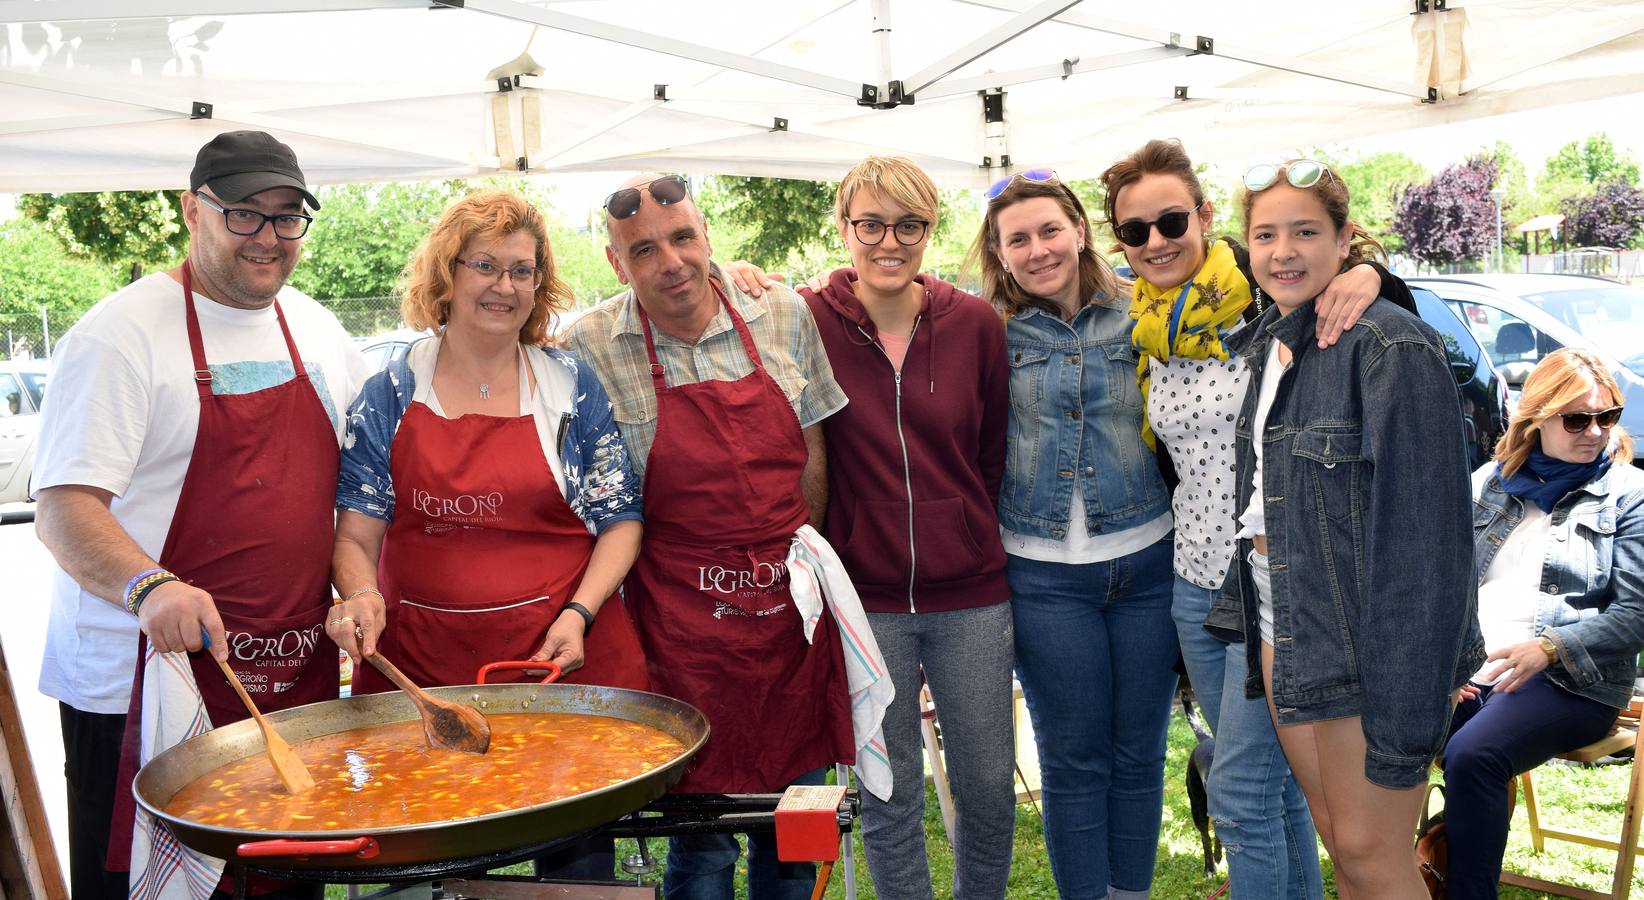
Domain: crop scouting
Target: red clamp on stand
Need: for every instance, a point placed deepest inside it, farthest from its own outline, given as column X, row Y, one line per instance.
column 807, row 823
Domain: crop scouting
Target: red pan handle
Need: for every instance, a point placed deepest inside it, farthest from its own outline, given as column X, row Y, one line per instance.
column 516, row 665
column 364, row 847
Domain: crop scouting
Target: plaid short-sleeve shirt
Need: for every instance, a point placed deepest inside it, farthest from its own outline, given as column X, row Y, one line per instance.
column 611, row 339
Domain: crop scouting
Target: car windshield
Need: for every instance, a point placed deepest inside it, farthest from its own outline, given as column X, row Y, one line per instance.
column 1611, row 317
column 35, row 384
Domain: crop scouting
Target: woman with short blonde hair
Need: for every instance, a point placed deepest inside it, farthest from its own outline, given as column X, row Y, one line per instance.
column 1559, row 550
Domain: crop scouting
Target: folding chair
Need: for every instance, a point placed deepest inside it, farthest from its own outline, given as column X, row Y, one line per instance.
column 1626, row 733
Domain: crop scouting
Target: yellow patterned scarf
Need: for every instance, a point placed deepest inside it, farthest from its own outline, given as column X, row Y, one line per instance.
column 1188, row 320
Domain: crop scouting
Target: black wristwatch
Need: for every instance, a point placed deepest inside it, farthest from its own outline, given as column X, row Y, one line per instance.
column 587, row 617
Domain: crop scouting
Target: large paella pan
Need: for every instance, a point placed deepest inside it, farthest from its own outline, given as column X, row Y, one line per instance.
column 432, row 841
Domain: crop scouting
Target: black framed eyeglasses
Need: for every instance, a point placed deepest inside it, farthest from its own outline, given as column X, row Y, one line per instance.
column 1171, row 225
column 247, row 222
column 1037, row 176
column 1301, row 173
column 667, row 190
column 523, row 277
column 871, row 232
column 1576, row 423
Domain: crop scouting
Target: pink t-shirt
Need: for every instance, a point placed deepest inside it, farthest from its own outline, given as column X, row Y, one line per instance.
column 896, row 347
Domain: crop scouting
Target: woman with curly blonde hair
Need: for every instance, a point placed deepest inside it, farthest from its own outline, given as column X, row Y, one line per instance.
column 1558, row 538
column 487, row 509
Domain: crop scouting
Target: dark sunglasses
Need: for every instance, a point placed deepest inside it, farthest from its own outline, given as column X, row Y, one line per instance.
column 1302, row 174
column 1576, row 423
column 1171, row 225
column 667, row 190
column 1037, row 176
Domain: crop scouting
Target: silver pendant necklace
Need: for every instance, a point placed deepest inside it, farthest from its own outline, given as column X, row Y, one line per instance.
column 485, row 391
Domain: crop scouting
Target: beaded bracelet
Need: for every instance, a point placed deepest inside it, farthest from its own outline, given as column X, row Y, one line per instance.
column 134, row 600
column 131, row 586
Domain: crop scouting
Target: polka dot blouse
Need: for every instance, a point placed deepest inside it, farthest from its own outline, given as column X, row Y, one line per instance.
column 1192, row 406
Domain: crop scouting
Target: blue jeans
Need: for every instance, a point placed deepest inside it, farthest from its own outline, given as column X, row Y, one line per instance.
column 702, row 866
column 1494, row 737
column 1259, row 811
column 1096, row 655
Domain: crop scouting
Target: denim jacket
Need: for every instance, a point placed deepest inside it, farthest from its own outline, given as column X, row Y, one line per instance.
column 1076, row 420
column 1367, row 498
column 1592, row 580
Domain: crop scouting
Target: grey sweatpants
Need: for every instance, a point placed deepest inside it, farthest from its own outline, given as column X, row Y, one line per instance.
column 967, row 656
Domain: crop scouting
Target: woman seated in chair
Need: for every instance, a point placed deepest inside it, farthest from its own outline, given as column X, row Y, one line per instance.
column 1558, row 524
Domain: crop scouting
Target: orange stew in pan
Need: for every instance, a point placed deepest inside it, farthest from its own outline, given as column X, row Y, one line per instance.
column 386, row 775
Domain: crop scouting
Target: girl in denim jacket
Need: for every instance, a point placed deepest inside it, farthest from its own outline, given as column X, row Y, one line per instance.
column 1353, row 488
column 1559, row 549
column 1191, row 293
column 1086, row 524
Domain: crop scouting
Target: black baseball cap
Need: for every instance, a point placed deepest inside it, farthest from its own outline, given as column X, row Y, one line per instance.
column 237, row 164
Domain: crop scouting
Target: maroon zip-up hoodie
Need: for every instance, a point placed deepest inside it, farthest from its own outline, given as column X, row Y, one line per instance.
column 914, row 468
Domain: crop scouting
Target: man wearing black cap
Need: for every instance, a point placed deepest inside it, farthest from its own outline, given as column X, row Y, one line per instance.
column 186, row 480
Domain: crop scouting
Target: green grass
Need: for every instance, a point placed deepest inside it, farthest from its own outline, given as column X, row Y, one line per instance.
column 1585, row 799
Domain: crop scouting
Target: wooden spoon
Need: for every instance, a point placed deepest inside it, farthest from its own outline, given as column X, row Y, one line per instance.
column 453, row 726
column 293, row 774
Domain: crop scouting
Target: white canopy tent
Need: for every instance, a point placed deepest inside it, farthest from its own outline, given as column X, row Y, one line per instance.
column 118, row 94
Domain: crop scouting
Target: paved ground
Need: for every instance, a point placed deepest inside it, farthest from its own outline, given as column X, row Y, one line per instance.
column 25, row 579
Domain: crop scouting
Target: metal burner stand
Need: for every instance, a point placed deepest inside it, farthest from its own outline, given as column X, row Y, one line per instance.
column 674, row 814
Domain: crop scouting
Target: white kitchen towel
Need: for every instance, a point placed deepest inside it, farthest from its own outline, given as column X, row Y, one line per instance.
column 815, row 572
column 161, row 867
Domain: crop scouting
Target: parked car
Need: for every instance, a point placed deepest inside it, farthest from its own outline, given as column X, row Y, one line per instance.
column 22, row 390
column 1521, row 318
column 382, row 349
column 1483, row 389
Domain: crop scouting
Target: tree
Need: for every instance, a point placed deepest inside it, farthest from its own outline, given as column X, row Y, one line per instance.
column 776, row 219
column 364, row 235
column 1613, row 216
column 126, row 229
column 1375, row 184
column 36, row 273
column 1450, row 218
column 1592, row 161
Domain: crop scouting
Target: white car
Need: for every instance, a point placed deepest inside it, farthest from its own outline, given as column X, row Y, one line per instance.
column 22, row 389
column 1521, row 318
column 382, row 349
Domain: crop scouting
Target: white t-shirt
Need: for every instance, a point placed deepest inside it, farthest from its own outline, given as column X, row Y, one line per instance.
column 121, row 414
column 1081, row 547
column 1509, row 597
column 1254, row 517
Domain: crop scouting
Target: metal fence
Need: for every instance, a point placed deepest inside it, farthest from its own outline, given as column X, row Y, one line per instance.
column 35, row 335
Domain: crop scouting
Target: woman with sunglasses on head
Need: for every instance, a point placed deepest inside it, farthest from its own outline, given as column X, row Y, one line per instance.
column 917, row 458
column 1558, row 527
column 1192, row 293
column 1086, row 525
column 487, row 507
column 1356, row 571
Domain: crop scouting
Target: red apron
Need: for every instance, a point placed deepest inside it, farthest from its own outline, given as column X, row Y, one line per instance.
column 482, row 556
column 710, row 588
column 254, row 526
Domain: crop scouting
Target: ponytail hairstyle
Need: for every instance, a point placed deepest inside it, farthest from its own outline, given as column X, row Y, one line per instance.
column 1332, row 193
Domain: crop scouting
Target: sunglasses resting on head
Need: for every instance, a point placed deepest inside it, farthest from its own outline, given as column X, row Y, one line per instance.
column 1037, row 176
column 667, row 190
column 1300, row 173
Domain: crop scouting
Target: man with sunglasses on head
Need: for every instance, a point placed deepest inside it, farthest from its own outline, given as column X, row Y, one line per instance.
column 720, row 397
column 187, row 477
